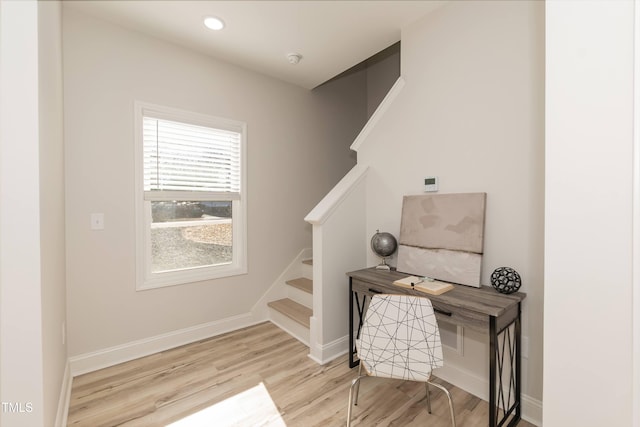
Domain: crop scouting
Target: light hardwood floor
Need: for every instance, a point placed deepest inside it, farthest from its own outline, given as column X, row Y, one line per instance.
column 258, row 376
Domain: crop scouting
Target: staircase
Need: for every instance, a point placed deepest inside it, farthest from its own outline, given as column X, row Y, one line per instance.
column 340, row 233
column 293, row 312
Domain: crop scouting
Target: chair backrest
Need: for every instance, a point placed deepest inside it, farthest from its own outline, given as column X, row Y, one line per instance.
column 400, row 338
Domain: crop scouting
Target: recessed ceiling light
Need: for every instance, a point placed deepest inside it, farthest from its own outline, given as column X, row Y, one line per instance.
column 213, row 23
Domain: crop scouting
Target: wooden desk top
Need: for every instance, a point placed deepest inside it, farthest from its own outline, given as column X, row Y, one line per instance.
column 485, row 299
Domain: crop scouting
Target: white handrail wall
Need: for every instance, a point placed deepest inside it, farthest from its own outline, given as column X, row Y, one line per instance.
column 338, row 232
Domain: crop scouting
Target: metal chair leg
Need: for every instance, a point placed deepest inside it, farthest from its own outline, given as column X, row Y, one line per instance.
column 358, row 384
column 428, row 397
column 355, row 385
column 453, row 415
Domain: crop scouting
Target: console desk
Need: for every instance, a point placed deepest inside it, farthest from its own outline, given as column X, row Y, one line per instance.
column 482, row 309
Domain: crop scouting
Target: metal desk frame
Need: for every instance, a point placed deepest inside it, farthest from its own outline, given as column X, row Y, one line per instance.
column 482, row 309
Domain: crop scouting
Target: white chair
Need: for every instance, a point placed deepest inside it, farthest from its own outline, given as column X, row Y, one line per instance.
column 399, row 339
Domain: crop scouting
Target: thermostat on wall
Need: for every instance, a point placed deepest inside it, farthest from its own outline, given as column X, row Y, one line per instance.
column 431, row 183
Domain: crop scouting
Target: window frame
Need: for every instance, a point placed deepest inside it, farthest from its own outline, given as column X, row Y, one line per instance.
column 145, row 279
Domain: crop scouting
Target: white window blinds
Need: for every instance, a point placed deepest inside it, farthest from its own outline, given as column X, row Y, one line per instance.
column 181, row 157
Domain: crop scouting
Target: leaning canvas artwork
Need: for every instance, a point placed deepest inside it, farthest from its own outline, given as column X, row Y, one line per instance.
column 442, row 236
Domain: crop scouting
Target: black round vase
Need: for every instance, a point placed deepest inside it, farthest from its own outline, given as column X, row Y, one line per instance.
column 505, row 280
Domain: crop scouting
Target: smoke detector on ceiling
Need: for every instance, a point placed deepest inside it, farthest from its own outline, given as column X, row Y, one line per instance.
column 294, row 58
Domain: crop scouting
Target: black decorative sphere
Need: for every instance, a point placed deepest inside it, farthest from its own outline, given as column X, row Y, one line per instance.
column 505, row 280
column 384, row 244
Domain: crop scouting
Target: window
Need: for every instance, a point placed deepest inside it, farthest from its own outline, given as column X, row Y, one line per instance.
column 190, row 197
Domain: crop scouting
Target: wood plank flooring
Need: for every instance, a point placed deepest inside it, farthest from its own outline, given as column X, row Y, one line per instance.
column 258, row 376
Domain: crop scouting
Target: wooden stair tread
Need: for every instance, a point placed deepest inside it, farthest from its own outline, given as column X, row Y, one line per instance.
column 293, row 310
column 308, row 261
column 302, row 283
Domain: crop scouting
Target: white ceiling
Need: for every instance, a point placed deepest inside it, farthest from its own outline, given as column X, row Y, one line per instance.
column 332, row 36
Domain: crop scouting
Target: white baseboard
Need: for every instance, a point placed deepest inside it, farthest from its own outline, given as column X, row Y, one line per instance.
column 323, row 354
column 65, row 396
column 93, row 361
column 531, row 410
column 329, row 352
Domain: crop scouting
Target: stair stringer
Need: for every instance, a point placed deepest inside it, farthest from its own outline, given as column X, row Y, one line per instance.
column 279, row 289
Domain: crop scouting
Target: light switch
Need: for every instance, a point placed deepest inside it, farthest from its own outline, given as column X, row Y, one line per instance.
column 97, row 221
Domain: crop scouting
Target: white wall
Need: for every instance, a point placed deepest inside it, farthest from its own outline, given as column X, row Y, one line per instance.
column 297, row 150
column 588, row 248
column 472, row 113
column 32, row 279
column 21, row 354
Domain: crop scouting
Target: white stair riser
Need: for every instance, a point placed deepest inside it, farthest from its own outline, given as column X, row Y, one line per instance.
column 307, row 271
column 290, row 326
column 300, row 296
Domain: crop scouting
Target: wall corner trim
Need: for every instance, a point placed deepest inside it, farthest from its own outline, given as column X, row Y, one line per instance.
column 377, row 115
column 65, row 397
column 635, row 269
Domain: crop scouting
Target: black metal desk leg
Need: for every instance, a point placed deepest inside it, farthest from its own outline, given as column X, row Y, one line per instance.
column 518, row 363
column 504, row 369
column 351, row 362
column 493, row 338
column 360, row 307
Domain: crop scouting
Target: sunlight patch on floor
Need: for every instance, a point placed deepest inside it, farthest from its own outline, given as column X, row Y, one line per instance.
column 253, row 407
